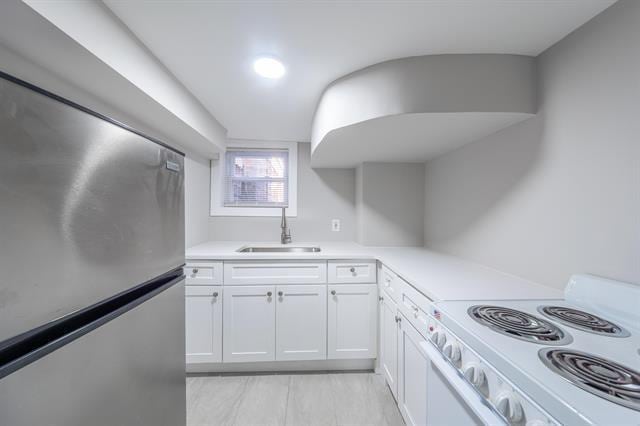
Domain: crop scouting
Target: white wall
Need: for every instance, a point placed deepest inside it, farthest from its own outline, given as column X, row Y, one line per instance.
column 196, row 199
column 322, row 195
column 559, row 193
column 390, row 204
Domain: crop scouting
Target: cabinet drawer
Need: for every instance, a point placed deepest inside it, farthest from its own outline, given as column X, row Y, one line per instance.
column 414, row 305
column 347, row 272
column 203, row 290
column 269, row 272
column 203, row 273
column 390, row 282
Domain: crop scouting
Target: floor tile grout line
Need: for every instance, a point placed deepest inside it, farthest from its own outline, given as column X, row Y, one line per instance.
column 335, row 408
column 243, row 393
column 286, row 406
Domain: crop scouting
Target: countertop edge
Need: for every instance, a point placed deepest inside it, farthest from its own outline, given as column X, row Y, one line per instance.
column 226, row 251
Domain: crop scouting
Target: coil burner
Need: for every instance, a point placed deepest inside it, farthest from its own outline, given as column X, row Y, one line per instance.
column 583, row 321
column 599, row 376
column 519, row 325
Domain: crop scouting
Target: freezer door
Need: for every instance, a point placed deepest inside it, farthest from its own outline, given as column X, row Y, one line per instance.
column 87, row 208
column 128, row 372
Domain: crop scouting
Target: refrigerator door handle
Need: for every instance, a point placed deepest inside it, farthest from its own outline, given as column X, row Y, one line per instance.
column 23, row 349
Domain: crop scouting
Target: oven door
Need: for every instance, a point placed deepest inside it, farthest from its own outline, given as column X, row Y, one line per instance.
column 452, row 400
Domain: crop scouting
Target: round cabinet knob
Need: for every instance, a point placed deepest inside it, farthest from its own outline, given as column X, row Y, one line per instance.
column 269, row 294
column 452, row 351
column 474, row 374
column 194, row 270
column 508, row 405
column 215, row 294
column 333, row 292
column 352, row 270
column 280, row 293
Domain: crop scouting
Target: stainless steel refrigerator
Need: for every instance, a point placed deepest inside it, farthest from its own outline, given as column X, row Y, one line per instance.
column 91, row 256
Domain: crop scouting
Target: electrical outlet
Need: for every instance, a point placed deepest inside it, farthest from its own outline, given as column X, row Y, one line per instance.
column 335, row 225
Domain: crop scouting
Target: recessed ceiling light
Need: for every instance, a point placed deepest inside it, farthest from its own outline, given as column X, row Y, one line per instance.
column 269, row 67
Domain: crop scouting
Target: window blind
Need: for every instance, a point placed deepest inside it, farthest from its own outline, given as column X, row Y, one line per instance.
column 256, row 178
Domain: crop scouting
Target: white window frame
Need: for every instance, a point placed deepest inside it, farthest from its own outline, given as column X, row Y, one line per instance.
column 218, row 177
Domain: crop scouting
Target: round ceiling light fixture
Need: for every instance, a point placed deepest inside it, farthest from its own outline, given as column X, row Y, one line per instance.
column 269, row 67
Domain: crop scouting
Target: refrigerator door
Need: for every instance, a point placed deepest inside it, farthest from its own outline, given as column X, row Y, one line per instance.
column 128, row 372
column 87, row 208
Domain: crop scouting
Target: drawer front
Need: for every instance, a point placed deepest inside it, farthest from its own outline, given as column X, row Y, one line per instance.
column 269, row 272
column 203, row 273
column 203, row 291
column 390, row 283
column 414, row 306
column 348, row 272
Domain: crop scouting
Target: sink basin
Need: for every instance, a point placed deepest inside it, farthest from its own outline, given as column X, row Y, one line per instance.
column 267, row 249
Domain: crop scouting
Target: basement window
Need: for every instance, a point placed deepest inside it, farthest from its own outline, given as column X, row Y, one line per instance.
column 254, row 179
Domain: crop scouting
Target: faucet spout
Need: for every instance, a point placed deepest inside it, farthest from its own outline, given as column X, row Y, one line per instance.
column 285, row 235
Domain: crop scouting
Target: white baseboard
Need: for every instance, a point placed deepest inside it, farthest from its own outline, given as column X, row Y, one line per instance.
column 283, row 366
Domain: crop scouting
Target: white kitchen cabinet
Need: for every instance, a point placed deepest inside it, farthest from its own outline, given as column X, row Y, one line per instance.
column 249, row 324
column 265, row 272
column 301, row 322
column 351, row 271
column 388, row 356
column 352, row 321
column 414, row 306
column 203, row 273
column 413, row 365
column 389, row 281
column 203, row 322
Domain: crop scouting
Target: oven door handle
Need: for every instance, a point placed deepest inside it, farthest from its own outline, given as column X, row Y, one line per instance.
column 464, row 389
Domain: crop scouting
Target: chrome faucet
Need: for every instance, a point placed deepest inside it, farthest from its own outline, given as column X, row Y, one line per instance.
column 285, row 236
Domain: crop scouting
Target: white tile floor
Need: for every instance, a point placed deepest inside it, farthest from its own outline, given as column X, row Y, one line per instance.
column 291, row 399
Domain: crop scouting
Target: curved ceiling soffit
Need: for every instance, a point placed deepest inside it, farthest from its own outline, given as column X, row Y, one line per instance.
column 456, row 83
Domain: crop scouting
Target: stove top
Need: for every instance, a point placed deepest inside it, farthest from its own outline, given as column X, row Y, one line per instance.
column 518, row 324
column 582, row 320
column 599, row 376
column 588, row 378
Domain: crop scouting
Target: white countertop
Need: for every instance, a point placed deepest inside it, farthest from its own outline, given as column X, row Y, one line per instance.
column 438, row 276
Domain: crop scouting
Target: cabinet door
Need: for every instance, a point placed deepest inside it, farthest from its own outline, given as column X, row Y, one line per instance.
column 203, row 322
column 413, row 366
column 249, row 324
column 389, row 343
column 301, row 322
column 352, row 317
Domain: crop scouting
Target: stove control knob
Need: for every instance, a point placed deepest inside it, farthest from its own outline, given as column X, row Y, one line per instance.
column 508, row 405
column 439, row 338
column 452, row 351
column 474, row 374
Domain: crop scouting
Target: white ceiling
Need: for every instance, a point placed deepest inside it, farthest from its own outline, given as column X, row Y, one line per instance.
column 210, row 45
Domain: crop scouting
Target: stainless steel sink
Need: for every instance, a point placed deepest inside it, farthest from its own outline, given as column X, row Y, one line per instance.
column 267, row 249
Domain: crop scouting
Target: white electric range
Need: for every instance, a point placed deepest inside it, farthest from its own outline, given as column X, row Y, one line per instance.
column 538, row 362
